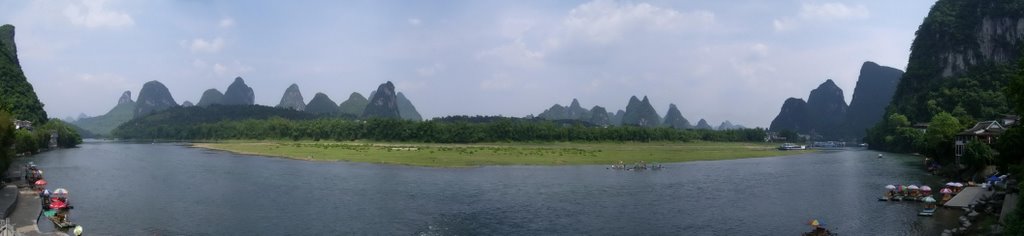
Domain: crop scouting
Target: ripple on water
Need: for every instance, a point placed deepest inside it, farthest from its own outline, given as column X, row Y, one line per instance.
column 166, row 189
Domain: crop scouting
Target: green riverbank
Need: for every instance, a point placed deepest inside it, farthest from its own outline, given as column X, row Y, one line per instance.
column 466, row 155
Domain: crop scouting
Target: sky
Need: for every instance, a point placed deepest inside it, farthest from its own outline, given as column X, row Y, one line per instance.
column 716, row 60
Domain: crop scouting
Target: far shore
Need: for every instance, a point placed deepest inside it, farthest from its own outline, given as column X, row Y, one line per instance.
column 490, row 154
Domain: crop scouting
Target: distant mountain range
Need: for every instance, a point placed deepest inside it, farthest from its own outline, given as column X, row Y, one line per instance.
column 155, row 97
column 826, row 114
column 103, row 124
column 638, row 112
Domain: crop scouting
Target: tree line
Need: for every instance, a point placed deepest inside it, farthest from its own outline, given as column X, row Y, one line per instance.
column 441, row 130
column 26, row 141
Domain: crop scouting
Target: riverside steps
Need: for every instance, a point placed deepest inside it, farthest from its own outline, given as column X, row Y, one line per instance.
column 967, row 197
column 1009, row 205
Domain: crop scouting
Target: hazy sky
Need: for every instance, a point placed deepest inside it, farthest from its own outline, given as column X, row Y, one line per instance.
column 718, row 60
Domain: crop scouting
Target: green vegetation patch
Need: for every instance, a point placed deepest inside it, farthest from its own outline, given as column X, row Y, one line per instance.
column 465, row 155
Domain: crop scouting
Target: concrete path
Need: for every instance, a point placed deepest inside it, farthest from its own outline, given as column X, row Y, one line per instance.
column 1009, row 205
column 968, row 196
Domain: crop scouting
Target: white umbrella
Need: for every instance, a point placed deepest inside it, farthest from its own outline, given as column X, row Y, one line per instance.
column 945, row 191
column 951, row 184
column 890, row 187
column 958, row 185
column 926, row 188
column 928, row 199
column 912, row 187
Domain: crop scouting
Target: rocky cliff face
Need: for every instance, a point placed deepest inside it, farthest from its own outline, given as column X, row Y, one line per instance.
column 321, row 104
column 16, row 93
column 675, row 119
column 793, row 117
column 726, row 125
column 406, row 109
column 641, row 113
column 703, row 124
column 355, row 105
column 103, row 124
column 827, row 107
column 577, row 112
column 874, row 91
column 997, row 38
column 210, row 97
column 599, row 116
column 239, row 94
column 616, row 119
column 556, row 112
column 292, row 99
column 383, row 103
column 963, row 49
column 153, row 97
column 573, row 112
column 126, row 97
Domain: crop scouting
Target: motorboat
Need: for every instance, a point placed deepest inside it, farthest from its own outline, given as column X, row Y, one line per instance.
column 791, row 146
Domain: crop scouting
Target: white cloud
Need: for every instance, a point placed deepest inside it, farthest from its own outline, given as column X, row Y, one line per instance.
column 430, row 70
column 783, row 24
column 230, row 69
column 209, row 46
column 93, row 14
column 219, row 69
column 101, row 78
column 414, row 21
column 227, row 22
column 833, row 11
column 497, row 82
column 199, row 63
column 514, row 54
column 759, row 49
column 605, row 21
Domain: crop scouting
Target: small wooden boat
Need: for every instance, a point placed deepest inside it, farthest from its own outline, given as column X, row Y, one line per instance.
column 59, row 218
column 929, row 206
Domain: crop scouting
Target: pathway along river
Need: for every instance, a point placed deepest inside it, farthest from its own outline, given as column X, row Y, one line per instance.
column 171, row 189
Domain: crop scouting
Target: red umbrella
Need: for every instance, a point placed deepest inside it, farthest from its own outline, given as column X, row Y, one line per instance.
column 41, row 182
column 57, row 204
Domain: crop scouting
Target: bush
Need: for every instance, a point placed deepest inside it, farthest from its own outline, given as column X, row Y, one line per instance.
column 25, row 141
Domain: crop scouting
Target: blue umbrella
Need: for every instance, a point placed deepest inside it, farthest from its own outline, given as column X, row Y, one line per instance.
column 993, row 178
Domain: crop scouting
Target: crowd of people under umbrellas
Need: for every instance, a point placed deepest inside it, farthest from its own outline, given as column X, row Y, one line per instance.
column 637, row 166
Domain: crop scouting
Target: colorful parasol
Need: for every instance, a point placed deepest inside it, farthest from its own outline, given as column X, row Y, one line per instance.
column 946, row 191
column 928, row 199
column 58, row 204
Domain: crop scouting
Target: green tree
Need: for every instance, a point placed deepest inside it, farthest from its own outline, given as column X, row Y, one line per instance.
column 25, row 141
column 978, row 154
column 6, row 139
column 939, row 138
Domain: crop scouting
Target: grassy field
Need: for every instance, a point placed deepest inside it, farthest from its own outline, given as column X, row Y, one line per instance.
column 465, row 155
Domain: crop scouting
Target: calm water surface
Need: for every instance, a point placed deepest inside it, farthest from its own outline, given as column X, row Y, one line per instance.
column 169, row 189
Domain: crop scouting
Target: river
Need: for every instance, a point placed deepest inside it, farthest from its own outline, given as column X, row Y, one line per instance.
column 173, row 189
